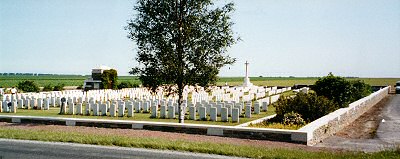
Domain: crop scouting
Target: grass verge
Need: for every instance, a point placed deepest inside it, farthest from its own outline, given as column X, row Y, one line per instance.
column 180, row 145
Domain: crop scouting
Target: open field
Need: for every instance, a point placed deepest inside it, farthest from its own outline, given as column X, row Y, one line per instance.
column 68, row 80
column 53, row 112
column 76, row 80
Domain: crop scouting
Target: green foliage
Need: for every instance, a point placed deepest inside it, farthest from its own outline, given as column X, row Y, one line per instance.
column 109, row 79
column 80, row 87
column 340, row 90
column 293, row 118
column 28, row 86
column 59, row 87
column 359, row 90
column 309, row 106
column 125, row 85
column 181, row 42
column 334, row 88
column 47, row 88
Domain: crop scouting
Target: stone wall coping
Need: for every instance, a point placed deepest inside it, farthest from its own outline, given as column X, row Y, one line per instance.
column 311, row 127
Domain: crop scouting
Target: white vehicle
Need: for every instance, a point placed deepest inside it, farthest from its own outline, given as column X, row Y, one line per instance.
column 398, row 87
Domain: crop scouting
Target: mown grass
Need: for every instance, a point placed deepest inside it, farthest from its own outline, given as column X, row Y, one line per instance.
column 76, row 80
column 53, row 112
column 184, row 145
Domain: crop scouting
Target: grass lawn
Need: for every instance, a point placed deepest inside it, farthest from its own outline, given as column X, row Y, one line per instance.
column 181, row 145
column 53, row 112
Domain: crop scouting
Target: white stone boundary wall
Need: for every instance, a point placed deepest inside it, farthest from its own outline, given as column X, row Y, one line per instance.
column 335, row 121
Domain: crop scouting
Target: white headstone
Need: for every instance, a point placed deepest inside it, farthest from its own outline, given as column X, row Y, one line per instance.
column 129, row 106
column 202, row 113
column 265, row 106
column 213, row 114
column 192, row 113
column 256, row 107
column 154, row 110
column 71, row 108
column 113, row 109
column 46, row 104
column 138, row 107
column 88, row 108
column 248, row 111
column 163, row 111
column 224, row 114
column 235, row 115
column 79, row 109
column 13, row 107
column 20, row 103
column 171, row 112
column 121, row 109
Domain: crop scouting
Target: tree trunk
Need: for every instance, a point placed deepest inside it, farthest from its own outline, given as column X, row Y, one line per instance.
column 180, row 106
column 180, row 60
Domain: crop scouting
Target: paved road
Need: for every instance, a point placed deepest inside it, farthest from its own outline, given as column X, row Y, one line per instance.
column 387, row 135
column 389, row 131
column 40, row 150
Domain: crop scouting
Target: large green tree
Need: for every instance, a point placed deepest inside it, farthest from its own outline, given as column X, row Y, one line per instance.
column 181, row 42
column 109, row 79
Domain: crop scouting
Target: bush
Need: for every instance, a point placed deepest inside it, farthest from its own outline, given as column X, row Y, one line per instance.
column 359, row 90
column 309, row 106
column 80, row 87
column 124, row 85
column 47, row 88
column 127, row 85
column 109, row 79
column 135, row 85
column 28, row 86
column 59, row 87
column 341, row 91
column 334, row 88
column 293, row 118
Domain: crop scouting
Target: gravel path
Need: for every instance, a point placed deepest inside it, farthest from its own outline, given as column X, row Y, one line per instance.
column 368, row 133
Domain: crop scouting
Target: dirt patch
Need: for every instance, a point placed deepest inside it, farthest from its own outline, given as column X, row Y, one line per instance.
column 163, row 135
column 366, row 125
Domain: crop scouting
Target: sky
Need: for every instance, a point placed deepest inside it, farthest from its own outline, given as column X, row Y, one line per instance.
column 302, row 38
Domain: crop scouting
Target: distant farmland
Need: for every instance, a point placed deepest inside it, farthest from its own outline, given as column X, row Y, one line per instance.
column 76, row 80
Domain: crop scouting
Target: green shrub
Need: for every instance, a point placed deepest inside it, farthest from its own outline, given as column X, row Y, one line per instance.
column 124, row 85
column 309, row 106
column 28, row 86
column 334, row 88
column 341, row 91
column 109, row 79
column 47, row 88
column 135, row 85
column 80, row 87
column 293, row 118
column 359, row 90
column 59, row 87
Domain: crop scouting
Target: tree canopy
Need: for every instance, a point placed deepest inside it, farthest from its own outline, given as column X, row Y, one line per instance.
column 181, row 42
column 109, row 79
